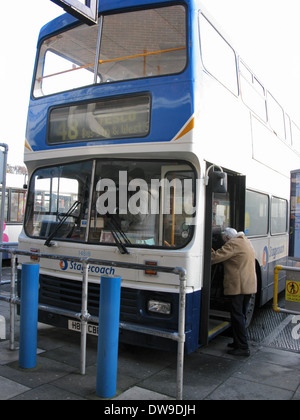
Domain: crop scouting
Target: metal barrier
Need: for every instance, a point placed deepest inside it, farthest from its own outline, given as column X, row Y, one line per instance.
column 84, row 316
column 292, row 294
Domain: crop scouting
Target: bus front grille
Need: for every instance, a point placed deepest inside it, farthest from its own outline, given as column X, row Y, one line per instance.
column 66, row 294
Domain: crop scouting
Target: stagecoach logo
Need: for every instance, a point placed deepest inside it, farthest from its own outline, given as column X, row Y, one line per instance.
column 271, row 254
column 63, row 265
column 78, row 267
column 265, row 258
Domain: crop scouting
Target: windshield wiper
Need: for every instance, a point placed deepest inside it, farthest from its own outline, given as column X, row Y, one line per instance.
column 65, row 217
column 118, row 234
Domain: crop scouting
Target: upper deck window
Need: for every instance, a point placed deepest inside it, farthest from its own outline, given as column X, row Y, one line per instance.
column 133, row 45
column 218, row 56
column 276, row 116
column 252, row 91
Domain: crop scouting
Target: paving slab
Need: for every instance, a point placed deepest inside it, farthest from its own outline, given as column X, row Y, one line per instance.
column 7, row 355
column 240, row 389
column 46, row 371
column 270, row 374
column 9, row 389
column 137, row 393
column 47, row 392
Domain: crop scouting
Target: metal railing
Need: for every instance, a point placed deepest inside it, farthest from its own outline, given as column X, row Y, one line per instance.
column 84, row 316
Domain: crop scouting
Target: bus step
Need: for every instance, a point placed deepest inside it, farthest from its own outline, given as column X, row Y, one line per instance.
column 216, row 327
column 216, row 314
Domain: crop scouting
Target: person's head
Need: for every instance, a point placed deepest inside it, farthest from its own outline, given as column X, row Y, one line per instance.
column 229, row 233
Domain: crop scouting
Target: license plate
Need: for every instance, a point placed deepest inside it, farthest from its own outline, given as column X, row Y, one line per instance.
column 92, row 329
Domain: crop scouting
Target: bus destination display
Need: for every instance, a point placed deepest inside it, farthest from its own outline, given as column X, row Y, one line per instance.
column 101, row 120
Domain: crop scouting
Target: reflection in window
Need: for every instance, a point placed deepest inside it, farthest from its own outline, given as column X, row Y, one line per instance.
column 52, row 195
column 14, row 205
column 142, row 203
column 278, row 216
column 132, row 203
column 257, row 214
column 17, row 206
column 221, row 211
column 178, row 206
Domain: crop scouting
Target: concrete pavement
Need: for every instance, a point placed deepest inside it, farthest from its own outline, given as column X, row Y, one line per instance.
column 147, row 375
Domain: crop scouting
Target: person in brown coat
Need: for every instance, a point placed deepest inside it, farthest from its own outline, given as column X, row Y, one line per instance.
column 240, row 283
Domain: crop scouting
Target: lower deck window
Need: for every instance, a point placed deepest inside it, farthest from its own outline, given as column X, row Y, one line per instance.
column 124, row 203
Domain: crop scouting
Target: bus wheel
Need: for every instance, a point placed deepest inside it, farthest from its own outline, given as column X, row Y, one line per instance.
column 251, row 310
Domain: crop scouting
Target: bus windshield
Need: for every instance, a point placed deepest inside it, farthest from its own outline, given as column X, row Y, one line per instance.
column 135, row 203
column 133, row 45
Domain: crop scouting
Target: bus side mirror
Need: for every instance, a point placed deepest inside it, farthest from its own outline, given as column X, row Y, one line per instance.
column 217, row 181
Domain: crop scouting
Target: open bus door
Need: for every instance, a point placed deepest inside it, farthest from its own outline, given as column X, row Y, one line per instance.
column 224, row 207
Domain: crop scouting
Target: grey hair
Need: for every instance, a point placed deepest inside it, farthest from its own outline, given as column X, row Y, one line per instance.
column 229, row 233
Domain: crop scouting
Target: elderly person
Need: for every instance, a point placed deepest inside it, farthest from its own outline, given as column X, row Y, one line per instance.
column 240, row 283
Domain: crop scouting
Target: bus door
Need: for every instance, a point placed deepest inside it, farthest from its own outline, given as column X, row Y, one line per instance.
column 223, row 209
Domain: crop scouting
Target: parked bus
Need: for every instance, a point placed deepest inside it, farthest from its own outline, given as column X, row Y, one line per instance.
column 15, row 196
column 152, row 105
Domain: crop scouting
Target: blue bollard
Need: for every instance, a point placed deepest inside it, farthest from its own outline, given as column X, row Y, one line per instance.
column 29, row 315
column 108, row 339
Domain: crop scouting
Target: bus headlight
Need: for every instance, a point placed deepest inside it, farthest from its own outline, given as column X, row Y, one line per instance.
column 158, row 307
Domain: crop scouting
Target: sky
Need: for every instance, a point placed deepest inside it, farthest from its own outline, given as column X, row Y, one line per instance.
column 266, row 34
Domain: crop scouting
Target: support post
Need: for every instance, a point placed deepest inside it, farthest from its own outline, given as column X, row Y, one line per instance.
column 2, row 328
column 12, row 303
column 181, row 332
column 84, row 313
column 108, row 339
column 3, row 166
column 29, row 315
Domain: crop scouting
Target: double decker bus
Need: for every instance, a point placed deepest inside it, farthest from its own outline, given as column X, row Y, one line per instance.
column 163, row 136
